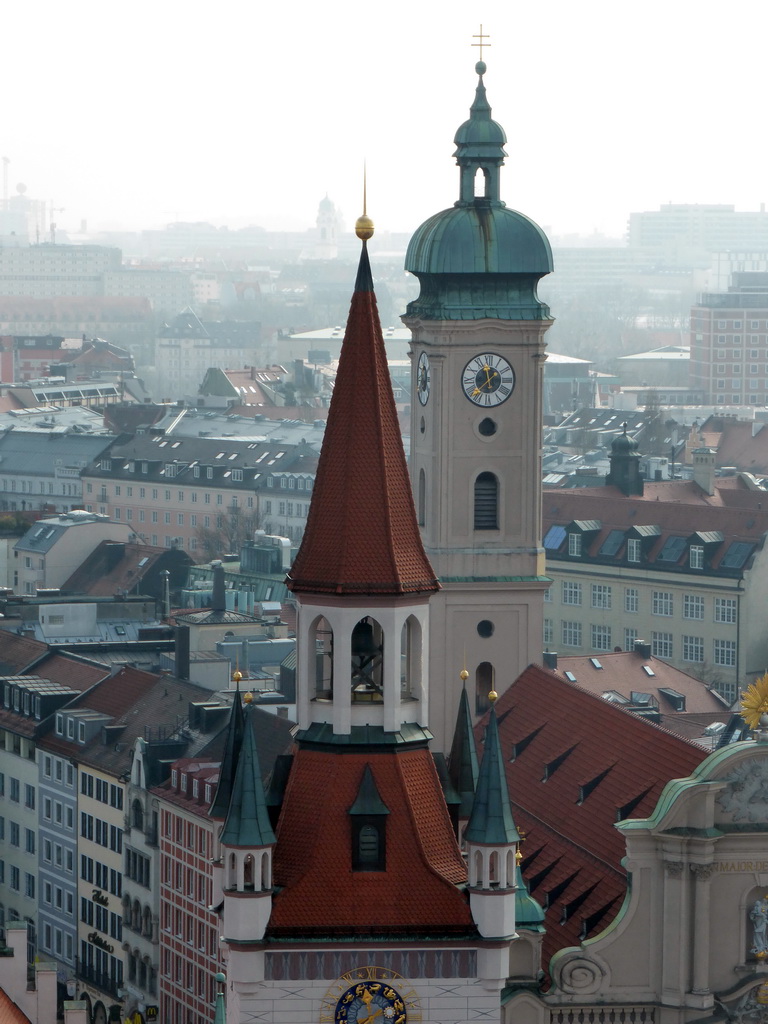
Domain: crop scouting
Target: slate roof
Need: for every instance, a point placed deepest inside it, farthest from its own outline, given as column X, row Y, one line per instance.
column 575, row 765
column 319, row 893
column 677, row 508
column 361, row 535
column 38, row 453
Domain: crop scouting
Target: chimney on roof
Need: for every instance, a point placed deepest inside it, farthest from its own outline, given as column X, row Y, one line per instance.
column 704, row 468
column 643, row 648
column 218, row 601
column 550, row 659
column 182, row 652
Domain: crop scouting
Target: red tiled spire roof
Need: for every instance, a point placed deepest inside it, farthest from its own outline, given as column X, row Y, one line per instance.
column 361, row 535
column 318, row 891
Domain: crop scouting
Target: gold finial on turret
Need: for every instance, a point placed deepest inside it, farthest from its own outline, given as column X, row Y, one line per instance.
column 237, row 675
column 364, row 224
column 247, row 698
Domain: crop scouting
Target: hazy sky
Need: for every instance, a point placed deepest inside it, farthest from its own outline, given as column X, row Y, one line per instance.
column 136, row 114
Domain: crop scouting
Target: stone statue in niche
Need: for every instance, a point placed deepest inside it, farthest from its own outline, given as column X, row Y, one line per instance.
column 758, row 915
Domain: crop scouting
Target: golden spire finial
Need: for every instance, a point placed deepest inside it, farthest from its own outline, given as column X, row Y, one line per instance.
column 464, row 675
column 247, row 697
column 493, row 696
column 364, row 224
column 482, row 36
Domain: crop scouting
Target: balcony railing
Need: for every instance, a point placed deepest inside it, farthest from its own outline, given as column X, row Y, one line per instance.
column 99, row 979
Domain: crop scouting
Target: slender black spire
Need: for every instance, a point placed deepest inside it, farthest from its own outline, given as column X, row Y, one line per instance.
column 232, row 746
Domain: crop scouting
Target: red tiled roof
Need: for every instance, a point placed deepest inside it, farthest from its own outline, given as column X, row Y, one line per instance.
column 70, row 671
column 417, row 891
column 557, row 741
column 10, row 1013
column 361, row 534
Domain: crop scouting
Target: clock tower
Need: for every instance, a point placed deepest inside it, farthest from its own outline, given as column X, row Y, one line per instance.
column 478, row 331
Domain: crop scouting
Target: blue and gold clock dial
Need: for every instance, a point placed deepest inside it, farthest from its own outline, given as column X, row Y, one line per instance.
column 371, row 1002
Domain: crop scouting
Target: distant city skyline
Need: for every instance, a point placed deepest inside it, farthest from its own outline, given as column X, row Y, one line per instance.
column 131, row 117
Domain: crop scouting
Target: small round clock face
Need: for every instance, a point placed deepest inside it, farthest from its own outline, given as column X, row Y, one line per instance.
column 423, row 378
column 488, row 380
column 371, row 1001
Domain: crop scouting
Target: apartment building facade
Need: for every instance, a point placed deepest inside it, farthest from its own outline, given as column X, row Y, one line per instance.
column 684, row 575
column 169, row 490
column 729, row 342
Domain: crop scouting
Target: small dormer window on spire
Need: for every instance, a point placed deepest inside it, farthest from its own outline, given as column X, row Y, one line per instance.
column 369, row 821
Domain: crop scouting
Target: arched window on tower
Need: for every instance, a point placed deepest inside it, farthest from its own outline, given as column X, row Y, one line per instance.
column 323, row 638
column 486, row 502
column 422, row 504
column 481, row 183
column 483, row 686
column 410, row 659
column 367, row 662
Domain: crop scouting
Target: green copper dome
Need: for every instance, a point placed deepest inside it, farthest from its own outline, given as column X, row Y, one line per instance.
column 479, row 259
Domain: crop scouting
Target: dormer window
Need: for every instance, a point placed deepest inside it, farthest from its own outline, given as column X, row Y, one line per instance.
column 145, row 467
column 696, row 556
column 81, row 732
column 196, row 788
column 209, row 472
column 71, row 728
column 574, row 545
column 106, row 464
column 170, row 469
column 196, row 472
column 369, row 820
column 183, row 782
column 174, row 778
column 208, row 792
column 634, row 549
column 59, row 725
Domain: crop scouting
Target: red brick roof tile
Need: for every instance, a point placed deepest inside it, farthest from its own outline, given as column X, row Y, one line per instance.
column 558, row 740
column 361, row 534
column 313, row 867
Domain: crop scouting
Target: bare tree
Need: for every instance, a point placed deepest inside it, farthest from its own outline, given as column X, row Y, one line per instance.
column 231, row 529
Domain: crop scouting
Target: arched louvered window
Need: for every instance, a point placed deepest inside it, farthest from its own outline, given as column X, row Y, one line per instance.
column 486, row 502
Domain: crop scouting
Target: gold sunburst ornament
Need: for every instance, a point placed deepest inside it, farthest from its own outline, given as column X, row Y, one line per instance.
column 754, row 702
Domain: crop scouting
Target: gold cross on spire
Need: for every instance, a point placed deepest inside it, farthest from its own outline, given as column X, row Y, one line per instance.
column 482, row 37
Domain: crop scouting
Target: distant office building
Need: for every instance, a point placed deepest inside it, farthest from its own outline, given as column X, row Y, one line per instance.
column 729, row 339
column 52, row 271
column 186, row 346
column 690, row 233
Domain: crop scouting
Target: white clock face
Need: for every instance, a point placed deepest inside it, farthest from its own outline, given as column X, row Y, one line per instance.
column 488, row 380
column 423, row 378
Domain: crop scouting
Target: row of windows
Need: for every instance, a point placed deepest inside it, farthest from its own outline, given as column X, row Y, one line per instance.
column 634, row 547
column 662, row 643
column 56, row 854
column 232, row 500
column 15, row 833
column 188, row 929
column 58, row 942
column 15, row 878
column 101, row 832
column 60, row 771
column 54, row 896
column 137, row 867
column 55, row 811
column 101, row 790
column 14, row 791
column 99, row 874
column 186, row 833
column 104, row 920
column 662, row 601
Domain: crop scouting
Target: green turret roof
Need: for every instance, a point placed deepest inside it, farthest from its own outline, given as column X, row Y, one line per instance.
column 247, row 823
column 462, row 764
column 528, row 913
column 491, row 822
column 232, row 745
column 479, row 259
